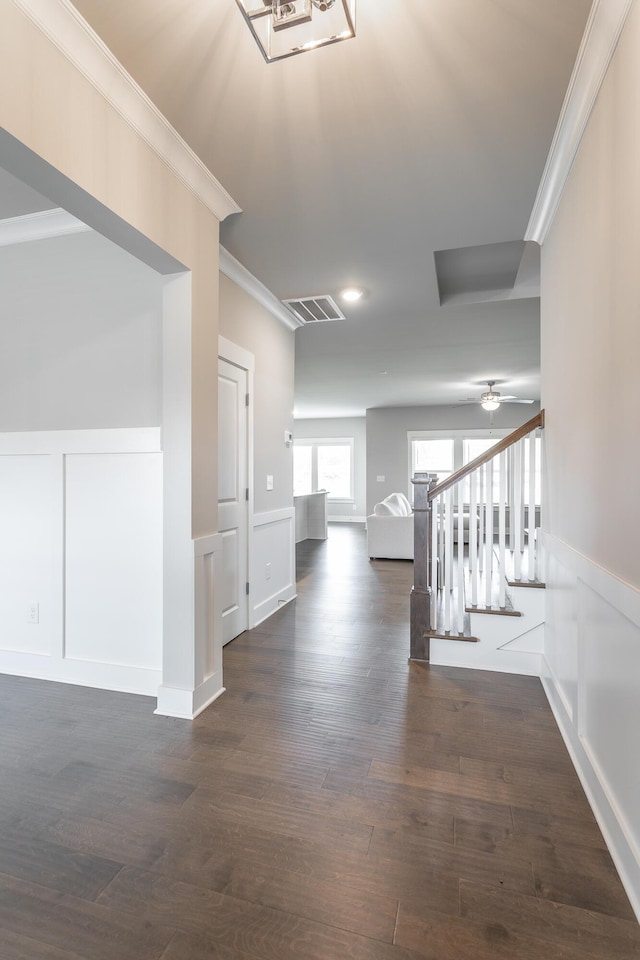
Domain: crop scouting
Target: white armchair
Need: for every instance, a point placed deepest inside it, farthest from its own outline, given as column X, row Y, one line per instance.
column 390, row 529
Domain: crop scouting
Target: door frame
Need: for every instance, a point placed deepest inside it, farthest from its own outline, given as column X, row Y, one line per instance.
column 245, row 360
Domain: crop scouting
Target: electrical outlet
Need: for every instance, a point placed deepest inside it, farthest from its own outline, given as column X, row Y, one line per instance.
column 380, row 479
column 33, row 613
column 267, row 572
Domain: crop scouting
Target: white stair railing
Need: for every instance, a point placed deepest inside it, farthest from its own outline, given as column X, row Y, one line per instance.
column 479, row 527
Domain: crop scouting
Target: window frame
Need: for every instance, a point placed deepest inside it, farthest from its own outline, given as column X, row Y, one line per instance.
column 314, row 443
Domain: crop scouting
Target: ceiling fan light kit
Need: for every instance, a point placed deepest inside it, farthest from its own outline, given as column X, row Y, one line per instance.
column 491, row 399
column 283, row 28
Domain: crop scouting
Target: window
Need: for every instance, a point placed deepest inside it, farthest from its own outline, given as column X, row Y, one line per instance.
column 324, row 465
column 443, row 453
column 432, row 456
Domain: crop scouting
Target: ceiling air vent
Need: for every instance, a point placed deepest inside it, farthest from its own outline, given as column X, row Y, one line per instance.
column 315, row 309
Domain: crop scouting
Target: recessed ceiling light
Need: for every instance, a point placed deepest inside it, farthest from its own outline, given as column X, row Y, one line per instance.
column 351, row 294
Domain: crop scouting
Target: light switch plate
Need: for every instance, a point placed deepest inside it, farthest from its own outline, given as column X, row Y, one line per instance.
column 269, row 481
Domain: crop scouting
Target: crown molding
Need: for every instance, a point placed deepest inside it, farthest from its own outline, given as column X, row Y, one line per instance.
column 39, row 226
column 604, row 26
column 70, row 33
column 235, row 271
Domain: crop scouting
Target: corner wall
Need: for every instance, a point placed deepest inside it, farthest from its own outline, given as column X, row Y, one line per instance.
column 591, row 394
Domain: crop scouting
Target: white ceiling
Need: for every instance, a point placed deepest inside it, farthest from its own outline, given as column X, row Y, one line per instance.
column 355, row 163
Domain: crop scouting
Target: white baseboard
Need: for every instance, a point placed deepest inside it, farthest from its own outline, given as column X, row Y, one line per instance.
column 346, row 519
column 187, row 704
column 269, row 606
column 104, row 676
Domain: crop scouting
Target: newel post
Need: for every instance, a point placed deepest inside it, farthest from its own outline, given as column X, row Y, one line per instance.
column 421, row 591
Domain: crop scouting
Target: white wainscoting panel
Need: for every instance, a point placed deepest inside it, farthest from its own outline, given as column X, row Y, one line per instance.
column 81, row 536
column 272, row 572
column 113, row 553
column 591, row 672
column 27, row 553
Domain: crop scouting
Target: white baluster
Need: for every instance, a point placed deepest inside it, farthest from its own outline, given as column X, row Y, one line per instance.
column 481, row 503
column 516, row 516
column 502, row 466
column 473, row 536
column 460, row 613
column 488, row 565
column 441, row 556
column 532, row 507
column 540, row 555
column 510, row 496
column 435, row 504
column 448, row 567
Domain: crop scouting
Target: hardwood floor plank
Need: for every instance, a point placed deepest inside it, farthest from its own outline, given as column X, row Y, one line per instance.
column 55, row 866
column 435, row 936
column 92, row 931
column 594, row 934
column 16, row 947
column 238, row 924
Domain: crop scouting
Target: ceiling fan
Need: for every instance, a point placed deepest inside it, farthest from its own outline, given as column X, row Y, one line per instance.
column 491, row 399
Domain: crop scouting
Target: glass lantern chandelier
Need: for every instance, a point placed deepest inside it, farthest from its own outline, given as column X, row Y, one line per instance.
column 283, row 28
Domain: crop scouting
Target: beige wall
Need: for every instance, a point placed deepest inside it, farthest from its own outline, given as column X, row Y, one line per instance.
column 49, row 106
column 591, row 331
column 249, row 325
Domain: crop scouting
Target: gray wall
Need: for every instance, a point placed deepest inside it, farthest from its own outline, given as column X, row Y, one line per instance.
column 80, row 336
column 246, row 323
column 387, row 427
column 343, row 427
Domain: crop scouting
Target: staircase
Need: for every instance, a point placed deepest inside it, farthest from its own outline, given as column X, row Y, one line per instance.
column 477, row 598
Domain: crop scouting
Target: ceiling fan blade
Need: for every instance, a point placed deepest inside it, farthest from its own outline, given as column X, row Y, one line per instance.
column 470, row 400
column 514, row 400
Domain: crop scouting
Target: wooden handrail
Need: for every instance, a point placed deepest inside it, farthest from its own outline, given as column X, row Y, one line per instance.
column 504, row 444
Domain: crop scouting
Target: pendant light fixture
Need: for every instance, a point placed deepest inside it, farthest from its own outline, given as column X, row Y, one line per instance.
column 283, row 28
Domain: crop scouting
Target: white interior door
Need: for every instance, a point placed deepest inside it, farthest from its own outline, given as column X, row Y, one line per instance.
column 233, row 506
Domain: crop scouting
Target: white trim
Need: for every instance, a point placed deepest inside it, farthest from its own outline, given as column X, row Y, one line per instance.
column 39, row 226
column 604, row 26
column 203, row 546
column 238, row 356
column 70, row 33
column 266, row 608
column 187, row 704
column 235, row 271
column 124, row 440
column 604, row 808
column 85, row 673
column 601, row 793
column 346, row 519
column 620, row 594
column 274, row 516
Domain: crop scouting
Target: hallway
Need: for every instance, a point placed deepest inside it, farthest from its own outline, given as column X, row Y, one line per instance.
column 336, row 802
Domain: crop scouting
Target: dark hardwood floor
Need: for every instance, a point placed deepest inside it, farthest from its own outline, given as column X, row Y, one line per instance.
column 337, row 802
